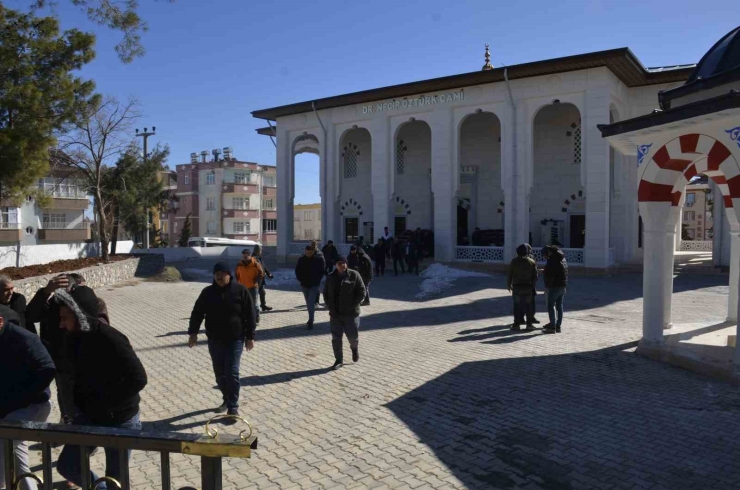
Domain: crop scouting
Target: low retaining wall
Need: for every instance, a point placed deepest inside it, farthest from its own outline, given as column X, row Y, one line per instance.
column 100, row 275
column 186, row 253
column 20, row 256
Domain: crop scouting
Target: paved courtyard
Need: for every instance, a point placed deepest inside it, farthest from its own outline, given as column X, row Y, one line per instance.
column 445, row 396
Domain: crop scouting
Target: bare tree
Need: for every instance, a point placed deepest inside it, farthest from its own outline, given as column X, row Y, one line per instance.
column 103, row 133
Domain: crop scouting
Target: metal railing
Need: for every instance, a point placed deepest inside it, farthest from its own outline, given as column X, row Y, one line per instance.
column 64, row 226
column 211, row 447
column 7, row 225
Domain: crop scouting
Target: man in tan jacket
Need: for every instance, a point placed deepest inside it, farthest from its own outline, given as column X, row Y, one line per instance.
column 249, row 274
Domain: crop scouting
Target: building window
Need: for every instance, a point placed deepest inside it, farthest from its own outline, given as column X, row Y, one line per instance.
column 350, row 161
column 690, row 199
column 211, row 177
column 577, row 146
column 187, row 179
column 400, row 152
column 295, row 217
column 241, row 178
column 268, row 180
column 307, row 216
column 210, row 204
column 239, row 203
column 55, row 221
column 241, row 227
column 689, row 215
column 351, row 228
column 269, row 225
column 8, row 217
column 63, row 188
column 268, row 204
column 399, row 225
column 165, row 228
column 211, row 227
column 307, row 234
column 691, row 233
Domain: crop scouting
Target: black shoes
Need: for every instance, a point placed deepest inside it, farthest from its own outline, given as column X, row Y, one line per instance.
column 355, row 354
column 551, row 329
column 337, row 364
column 233, row 411
column 530, row 328
column 534, row 320
column 515, row 328
column 221, row 408
column 365, row 303
column 310, row 325
column 267, row 308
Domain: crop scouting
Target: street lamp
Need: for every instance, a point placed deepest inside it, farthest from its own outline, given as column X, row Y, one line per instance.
column 145, row 136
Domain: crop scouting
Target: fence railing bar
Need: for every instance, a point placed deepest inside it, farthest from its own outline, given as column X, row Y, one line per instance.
column 84, row 467
column 9, row 463
column 46, row 462
column 166, row 479
column 210, row 473
column 123, row 469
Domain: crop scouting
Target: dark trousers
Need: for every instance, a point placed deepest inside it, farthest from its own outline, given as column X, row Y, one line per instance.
column 254, row 292
column 340, row 326
column 555, row 306
column 65, row 391
column 396, row 262
column 226, row 356
column 68, row 464
column 263, row 303
column 413, row 266
column 380, row 266
column 522, row 307
column 534, row 302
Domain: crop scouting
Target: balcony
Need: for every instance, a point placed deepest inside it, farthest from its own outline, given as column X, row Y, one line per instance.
column 269, row 214
column 10, row 232
column 231, row 188
column 269, row 191
column 74, row 203
column 240, row 213
column 62, row 232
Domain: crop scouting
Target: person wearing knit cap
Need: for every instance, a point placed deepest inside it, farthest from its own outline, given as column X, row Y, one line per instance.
column 108, row 377
column 520, row 281
column 309, row 270
column 257, row 254
column 229, row 313
column 344, row 291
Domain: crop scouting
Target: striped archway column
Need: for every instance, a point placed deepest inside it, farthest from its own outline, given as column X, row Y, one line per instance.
column 660, row 187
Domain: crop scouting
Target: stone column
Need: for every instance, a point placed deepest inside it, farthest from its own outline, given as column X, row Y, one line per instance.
column 329, row 215
column 595, row 157
column 517, row 168
column 284, row 191
column 679, row 223
column 657, row 283
column 443, row 178
column 382, row 145
column 732, row 301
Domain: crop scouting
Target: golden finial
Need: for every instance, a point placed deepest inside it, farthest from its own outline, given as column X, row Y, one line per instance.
column 488, row 65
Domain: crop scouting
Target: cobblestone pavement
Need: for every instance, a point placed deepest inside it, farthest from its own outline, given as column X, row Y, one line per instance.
column 445, row 396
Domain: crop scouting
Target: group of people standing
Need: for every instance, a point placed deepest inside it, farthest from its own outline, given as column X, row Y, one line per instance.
column 98, row 374
column 521, row 281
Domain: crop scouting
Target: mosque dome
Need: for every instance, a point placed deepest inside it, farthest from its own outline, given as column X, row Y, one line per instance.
column 722, row 58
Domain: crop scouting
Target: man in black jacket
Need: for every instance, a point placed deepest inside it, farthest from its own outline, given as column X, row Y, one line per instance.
column 379, row 252
column 15, row 301
column 230, row 318
column 309, row 271
column 108, row 377
column 556, row 280
column 27, row 371
column 257, row 254
column 359, row 261
column 344, row 292
column 330, row 255
column 398, row 253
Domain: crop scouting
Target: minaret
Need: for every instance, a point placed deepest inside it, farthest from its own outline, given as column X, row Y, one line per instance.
column 488, row 65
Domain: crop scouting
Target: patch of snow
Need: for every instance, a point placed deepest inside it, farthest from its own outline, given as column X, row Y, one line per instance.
column 282, row 277
column 438, row 277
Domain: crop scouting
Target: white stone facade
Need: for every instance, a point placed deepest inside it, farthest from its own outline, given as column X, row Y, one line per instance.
column 481, row 145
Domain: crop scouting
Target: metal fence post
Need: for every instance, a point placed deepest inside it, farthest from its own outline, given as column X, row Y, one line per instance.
column 210, row 473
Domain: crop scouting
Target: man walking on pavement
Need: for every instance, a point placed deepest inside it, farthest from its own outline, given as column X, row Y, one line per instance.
column 108, row 377
column 520, row 280
column 412, row 256
column 556, row 281
column 379, row 251
column 398, row 253
column 27, row 371
column 344, row 293
column 320, row 254
column 229, row 312
column 359, row 261
column 309, row 271
column 530, row 254
column 15, row 301
column 249, row 274
column 330, row 255
column 257, row 254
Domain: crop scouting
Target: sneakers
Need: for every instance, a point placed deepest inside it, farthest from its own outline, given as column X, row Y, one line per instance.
column 355, row 354
column 309, row 325
column 267, row 308
column 221, row 408
column 337, row 364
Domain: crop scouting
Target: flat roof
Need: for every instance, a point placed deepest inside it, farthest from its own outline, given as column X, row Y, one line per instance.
column 621, row 61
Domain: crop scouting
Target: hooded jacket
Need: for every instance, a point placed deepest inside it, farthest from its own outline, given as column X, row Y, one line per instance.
column 343, row 293
column 330, row 254
column 108, row 374
column 228, row 310
column 361, row 263
column 18, row 304
column 556, row 270
column 522, row 275
column 249, row 274
column 26, row 366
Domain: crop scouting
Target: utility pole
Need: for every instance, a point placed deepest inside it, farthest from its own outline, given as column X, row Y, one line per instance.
column 145, row 135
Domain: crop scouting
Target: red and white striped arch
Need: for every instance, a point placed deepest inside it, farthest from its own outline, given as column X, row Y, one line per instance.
column 678, row 161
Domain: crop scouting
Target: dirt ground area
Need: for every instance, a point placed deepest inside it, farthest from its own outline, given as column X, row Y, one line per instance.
column 58, row 266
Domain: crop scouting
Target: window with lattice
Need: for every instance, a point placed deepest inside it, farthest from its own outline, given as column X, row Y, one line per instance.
column 400, row 152
column 350, row 155
column 577, row 146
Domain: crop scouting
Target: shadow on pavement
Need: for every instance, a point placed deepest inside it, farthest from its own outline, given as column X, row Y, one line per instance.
column 169, row 425
column 281, row 377
column 583, row 420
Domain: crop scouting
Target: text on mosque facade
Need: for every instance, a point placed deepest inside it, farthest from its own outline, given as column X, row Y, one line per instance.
column 392, row 105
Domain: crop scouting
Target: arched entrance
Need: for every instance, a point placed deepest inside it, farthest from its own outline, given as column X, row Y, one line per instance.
column 355, row 193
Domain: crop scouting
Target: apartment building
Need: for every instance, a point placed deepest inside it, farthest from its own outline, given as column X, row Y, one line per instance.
column 60, row 220
column 226, row 198
column 307, row 222
column 697, row 219
column 163, row 219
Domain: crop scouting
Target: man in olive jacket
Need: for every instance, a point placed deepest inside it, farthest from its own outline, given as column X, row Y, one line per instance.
column 344, row 292
column 520, row 281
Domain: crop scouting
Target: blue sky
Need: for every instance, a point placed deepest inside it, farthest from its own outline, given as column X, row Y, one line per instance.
column 209, row 64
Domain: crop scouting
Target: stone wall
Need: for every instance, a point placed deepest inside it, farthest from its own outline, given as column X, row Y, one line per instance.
column 100, row 275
